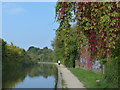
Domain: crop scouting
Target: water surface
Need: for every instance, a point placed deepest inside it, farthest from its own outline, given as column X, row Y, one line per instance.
column 38, row 76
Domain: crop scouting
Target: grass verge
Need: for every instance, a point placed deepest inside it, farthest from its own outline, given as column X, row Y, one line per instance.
column 88, row 78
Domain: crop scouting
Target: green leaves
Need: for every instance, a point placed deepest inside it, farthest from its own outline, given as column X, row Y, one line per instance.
column 13, row 54
column 94, row 25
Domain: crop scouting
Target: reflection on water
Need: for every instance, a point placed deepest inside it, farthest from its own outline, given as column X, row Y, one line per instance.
column 37, row 82
column 38, row 76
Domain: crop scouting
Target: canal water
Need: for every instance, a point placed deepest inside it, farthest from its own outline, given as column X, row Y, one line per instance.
column 37, row 76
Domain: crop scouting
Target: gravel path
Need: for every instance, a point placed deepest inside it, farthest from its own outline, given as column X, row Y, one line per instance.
column 70, row 80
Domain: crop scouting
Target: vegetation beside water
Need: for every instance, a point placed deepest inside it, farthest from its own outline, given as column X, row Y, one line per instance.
column 42, row 55
column 13, row 55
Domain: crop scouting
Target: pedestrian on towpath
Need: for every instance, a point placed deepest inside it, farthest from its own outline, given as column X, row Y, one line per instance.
column 58, row 62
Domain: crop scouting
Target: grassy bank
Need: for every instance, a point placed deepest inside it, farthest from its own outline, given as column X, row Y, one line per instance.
column 88, row 78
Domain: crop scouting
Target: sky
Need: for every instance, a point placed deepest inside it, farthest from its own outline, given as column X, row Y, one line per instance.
column 29, row 23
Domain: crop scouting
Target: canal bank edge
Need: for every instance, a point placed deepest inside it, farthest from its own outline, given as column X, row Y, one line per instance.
column 70, row 81
column 59, row 82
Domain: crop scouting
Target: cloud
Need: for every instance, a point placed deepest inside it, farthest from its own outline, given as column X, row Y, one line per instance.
column 12, row 9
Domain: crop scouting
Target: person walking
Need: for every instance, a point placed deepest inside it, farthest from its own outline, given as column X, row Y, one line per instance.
column 58, row 62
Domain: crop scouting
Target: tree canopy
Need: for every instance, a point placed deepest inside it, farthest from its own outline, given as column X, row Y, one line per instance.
column 43, row 55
